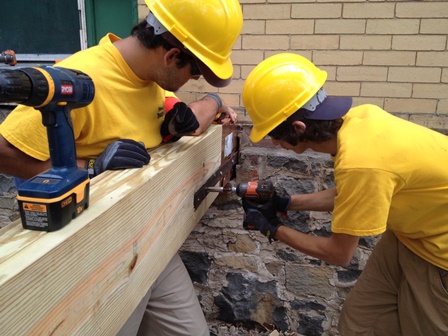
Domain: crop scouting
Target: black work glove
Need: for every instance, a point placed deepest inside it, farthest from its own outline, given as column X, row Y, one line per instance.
column 120, row 154
column 276, row 204
column 256, row 220
column 179, row 121
column 281, row 203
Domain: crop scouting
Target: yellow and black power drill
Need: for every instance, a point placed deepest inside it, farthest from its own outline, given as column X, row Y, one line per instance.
column 50, row 200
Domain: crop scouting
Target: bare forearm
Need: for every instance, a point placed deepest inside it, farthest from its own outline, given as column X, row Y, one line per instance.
column 16, row 163
column 319, row 201
column 205, row 111
column 338, row 249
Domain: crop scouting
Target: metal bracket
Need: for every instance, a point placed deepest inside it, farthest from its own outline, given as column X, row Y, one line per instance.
column 214, row 179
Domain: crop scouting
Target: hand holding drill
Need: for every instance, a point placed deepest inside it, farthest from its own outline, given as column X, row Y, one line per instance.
column 261, row 204
column 263, row 216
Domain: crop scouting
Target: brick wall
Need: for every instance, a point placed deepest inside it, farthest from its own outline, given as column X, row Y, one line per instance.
column 389, row 53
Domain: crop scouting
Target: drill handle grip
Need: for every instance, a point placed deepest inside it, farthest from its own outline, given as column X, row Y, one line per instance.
column 61, row 140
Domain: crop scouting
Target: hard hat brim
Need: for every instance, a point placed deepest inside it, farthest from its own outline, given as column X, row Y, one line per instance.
column 210, row 77
column 333, row 107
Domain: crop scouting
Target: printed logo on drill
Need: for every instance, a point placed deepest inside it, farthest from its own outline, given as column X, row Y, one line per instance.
column 66, row 89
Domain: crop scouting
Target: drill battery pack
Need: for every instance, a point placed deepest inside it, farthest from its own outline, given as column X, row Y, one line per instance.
column 45, row 205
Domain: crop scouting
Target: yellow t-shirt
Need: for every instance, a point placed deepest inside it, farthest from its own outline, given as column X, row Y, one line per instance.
column 124, row 106
column 391, row 173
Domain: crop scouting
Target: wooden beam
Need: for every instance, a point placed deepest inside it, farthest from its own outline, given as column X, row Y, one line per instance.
column 87, row 278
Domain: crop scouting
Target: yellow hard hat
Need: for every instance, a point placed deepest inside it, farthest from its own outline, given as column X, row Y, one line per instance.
column 278, row 87
column 208, row 29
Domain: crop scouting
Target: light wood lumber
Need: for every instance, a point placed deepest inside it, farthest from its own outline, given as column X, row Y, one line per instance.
column 88, row 277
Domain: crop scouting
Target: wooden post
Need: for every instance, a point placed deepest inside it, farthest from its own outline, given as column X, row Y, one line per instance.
column 87, row 278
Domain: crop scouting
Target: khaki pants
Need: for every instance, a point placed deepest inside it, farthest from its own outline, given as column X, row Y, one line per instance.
column 398, row 293
column 170, row 308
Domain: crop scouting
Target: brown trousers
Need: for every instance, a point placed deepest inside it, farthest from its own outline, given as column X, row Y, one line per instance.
column 170, row 308
column 398, row 293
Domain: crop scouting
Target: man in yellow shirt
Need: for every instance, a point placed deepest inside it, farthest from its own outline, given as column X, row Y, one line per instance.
column 391, row 178
column 133, row 110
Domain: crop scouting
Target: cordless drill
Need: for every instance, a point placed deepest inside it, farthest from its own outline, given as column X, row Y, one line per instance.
column 50, row 200
column 255, row 192
column 255, row 195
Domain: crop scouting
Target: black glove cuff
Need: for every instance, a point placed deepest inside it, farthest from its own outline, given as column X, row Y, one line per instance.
column 272, row 231
column 283, row 203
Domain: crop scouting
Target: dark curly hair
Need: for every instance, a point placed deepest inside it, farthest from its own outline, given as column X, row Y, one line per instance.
column 316, row 130
column 145, row 34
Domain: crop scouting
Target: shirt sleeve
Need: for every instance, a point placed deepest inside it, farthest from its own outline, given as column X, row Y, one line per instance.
column 363, row 201
column 170, row 100
column 23, row 129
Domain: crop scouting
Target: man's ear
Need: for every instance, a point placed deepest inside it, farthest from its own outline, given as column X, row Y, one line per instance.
column 171, row 56
column 299, row 126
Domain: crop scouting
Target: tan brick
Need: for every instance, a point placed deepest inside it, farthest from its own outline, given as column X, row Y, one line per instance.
column 434, row 26
column 266, row 42
column 420, row 42
column 430, row 91
column 368, row 10
column 337, row 57
column 432, row 121
column 399, row 90
column 340, row 26
column 316, row 11
column 236, row 86
column 251, row 1
column 365, row 42
column 338, row 1
column 361, row 74
column 421, row 10
column 342, row 89
column 306, row 53
column 445, row 75
column 267, row 12
column 432, row 58
column 295, row 1
column 230, row 99
column 246, row 70
column 254, row 27
column 315, row 42
column 442, row 106
column 247, row 56
column 370, row 100
column 410, row 105
column 389, row 57
column 331, row 72
column 414, row 74
column 289, row 26
column 236, row 71
column 392, row 26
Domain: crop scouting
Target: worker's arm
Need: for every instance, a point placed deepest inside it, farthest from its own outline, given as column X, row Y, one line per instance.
column 206, row 109
column 338, row 249
column 318, row 201
column 16, row 163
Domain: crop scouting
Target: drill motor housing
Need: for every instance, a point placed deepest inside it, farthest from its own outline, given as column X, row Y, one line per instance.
column 50, row 200
column 258, row 192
